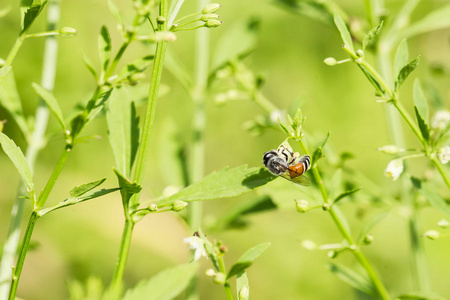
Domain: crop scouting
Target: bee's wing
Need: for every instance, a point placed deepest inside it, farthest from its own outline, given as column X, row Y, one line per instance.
column 302, row 179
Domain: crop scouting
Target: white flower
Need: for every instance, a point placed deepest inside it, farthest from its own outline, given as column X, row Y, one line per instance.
column 278, row 115
column 196, row 244
column 444, row 154
column 440, row 119
column 394, row 169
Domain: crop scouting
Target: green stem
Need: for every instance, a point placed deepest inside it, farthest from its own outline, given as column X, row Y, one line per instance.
column 419, row 260
column 441, row 171
column 344, row 232
column 226, row 285
column 36, row 142
column 52, row 180
column 12, row 54
column 22, row 254
column 116, row 283
column 151, row 106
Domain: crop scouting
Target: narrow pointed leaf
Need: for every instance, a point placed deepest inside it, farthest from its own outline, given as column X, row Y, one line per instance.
column 242, row 282
column 376, row 84
column 346, row 194
column 166, row 285
column 247, row 258
column 123, row 129
column 317, row 154
column 434, row 198
column 353, row 278
column 424, row 129
column 115, row 12
column 437, row 19
column 421, row 101
column 370, row 38
column 405, row 71
column 32, row 13
column 343, row 30
column 401, row 57
column 222, row 184
column 90, row 66
column 104, row 48
column 10, row 101
column 51, row 102
column 16, row 156
column 84, row 188
column 128, row 189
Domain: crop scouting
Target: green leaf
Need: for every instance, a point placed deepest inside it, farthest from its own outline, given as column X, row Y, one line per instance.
column 88, row 63
column 137, row 66
column 437, row 19
column 115, row 12
column 16, row 156
column 419, row 296
column 285, row 129
column 247, row 258
column 345, row 34
column 233, row 218
column 376, row 84
column 209, row 250
column 32, row 13
column 317, row 154
column 325, row 140
column 123, row 129
column 51, row 102
column 424, row 129
column 72, row 201
column 242, row 282
column 76, row 125
column 4, row 71
column 421, row 101
column 405, row 71
column 345, row 194
column 10, row 100
column 84, row 188
column 401, row 57
column 370, row 38
column 356, row 280
column 434, row 198
column 236, row 43
column 222, row 184
column 104, row 48
column 369, row 225
column 166, row 285
column 315, row 10
column 127, row 189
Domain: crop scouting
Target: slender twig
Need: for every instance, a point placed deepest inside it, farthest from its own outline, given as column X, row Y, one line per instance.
column 226, row 284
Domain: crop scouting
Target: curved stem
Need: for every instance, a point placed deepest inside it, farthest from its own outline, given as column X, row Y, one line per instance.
column 226, row 285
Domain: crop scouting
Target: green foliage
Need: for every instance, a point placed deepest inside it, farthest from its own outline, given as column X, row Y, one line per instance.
column 420, row 101
column 405, row 71
column 401, row 57
column 315, row 10
column 166, row 285
column 353, row 278
column 83, row 189
column 242, row 282
column 222, row 184
column 16, row 156
column 437, row 19
column 32, row 13
column 371, row 37
column 10, row 100
column 422, row 125
column 345, row 194
column 51, row 102
column 343, row 30
column 104, row 48
column 246, row 260
column 127, row 190
column 432, row 196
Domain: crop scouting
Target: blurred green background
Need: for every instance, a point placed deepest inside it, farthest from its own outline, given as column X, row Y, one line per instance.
column 83, row 240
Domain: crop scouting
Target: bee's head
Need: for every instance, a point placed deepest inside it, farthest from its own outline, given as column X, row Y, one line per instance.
column 275, row 162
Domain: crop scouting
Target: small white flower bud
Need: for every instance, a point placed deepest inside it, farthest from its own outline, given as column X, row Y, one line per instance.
column 431, row 234
column 244, row 292
column 179, row 205
column 443, row 224
column 368, row 239
column 153, row 207
column 165, row 36
column 359, row 60
column 360, row 53
column 219, row 278
column 160, row 20
column 212, row 23
column 211, row 8
column 207, row 17
column 68, row 32
column 440, row 119
column 394, row 169
column 210, row 272
column 390, row 149
column 444, row 154
column 309, row 245
column 302, row 206
column 332, row 254
column 330, row 61
column 326, row 206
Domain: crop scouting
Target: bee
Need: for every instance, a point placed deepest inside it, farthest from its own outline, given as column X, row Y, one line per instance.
column 288, row 164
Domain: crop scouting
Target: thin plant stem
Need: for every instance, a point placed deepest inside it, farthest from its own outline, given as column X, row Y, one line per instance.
column 340, row 225
column 226, row 285
column 36, row 143
column 12, row 54
column 441, row 171
column 22, row 254
column 142, row 155
column 116, row 283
